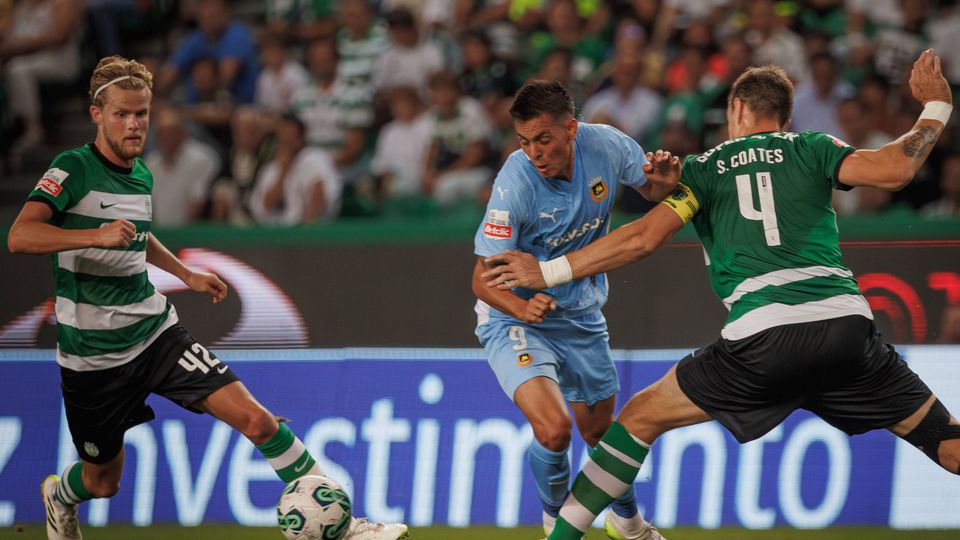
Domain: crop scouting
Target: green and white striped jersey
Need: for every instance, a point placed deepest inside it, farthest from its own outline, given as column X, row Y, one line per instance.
column 107, row 310
column 764, row 214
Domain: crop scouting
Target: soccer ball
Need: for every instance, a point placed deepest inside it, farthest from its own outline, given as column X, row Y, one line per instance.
column 314, row 508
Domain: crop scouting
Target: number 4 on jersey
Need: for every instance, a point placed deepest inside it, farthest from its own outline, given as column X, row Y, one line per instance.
column 767, row 213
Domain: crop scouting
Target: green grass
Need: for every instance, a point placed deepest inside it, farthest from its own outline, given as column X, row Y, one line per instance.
column 234, row 532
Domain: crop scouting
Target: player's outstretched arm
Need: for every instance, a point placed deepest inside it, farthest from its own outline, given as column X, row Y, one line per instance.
column 32, row 234
column 205, row 282
column 892, row 166
column 625, row 245
column 529, row 311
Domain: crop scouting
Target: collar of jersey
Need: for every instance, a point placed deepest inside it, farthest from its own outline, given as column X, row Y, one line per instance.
column 109, row 164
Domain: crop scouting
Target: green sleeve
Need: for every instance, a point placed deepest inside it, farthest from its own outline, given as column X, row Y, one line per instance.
column 691, row 175
column 825, row 153
column 62, row 186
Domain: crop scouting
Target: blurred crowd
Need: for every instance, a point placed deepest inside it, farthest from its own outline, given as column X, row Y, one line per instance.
column 295, row 111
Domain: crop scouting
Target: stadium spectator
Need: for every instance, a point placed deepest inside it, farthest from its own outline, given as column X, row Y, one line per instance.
column 484, row 75
column 945, row 39
column 688, row 103
column 183, row 169
column 456, row 162
column 280, row 77
column 251, row 150
column 897, row 45
column 772, row 41
column 855, row 129
column 300, row 184
column 212, row 106
column 626, row 104
column 42, row 46
column 361, row 40
column 335, row 119
column 408, row 60
column 401, row 148
column 948, row 205
column 817, row 98
column 565, row 28
column 301, row 20
column 874, row 93
column 222, row 38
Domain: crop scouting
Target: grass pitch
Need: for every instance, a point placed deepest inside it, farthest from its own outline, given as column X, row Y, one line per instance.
column 234, row 532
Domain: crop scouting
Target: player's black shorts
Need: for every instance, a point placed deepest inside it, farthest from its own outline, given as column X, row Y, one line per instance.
column 839, row 369
column 102, row 405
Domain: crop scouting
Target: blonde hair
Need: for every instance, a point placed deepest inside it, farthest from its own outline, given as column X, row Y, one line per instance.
column 132, row 74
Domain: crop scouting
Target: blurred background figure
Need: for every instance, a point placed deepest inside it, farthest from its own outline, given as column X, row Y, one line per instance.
column 183, row 170
column 457, row 162
column 40, row 45
column 252, row 149
column 626, row 104
column 280, row 75
column 817, row 98
column 948, row 205
column 299, row 185
column 408, row 60
column 398, row 161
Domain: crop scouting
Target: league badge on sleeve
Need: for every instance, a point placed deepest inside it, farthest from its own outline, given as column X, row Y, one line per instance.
column 598, row 189
column 497, row 225
column 524, row 359
column 52, row 181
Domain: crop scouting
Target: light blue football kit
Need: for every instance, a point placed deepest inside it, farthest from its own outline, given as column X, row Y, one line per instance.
column 549, row 218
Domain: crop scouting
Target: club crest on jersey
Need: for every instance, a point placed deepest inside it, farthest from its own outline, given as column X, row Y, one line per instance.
column 524, row 359
column 598, row 189
column 497, row 225
column 52, row 181
column 91, row 449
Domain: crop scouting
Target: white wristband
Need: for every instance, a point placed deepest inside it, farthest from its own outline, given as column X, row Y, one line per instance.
column 556, row 271
column 937, row 110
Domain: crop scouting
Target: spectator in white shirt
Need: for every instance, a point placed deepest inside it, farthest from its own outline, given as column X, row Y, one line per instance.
column 398, row 161
column 300, row 185
column 280, row 77
column 408, row 61
column 183, row 169
column 627, row 105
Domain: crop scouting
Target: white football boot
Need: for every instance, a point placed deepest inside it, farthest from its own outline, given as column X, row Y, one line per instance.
column 635, row 528
column 363, row 529
column 61, row 520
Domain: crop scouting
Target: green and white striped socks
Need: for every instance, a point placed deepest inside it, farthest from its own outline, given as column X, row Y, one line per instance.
column 70, row 489
column 608, row 474
column 288, row 456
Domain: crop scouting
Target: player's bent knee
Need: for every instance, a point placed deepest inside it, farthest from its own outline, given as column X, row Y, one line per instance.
column 554, row 436
column 936, row 437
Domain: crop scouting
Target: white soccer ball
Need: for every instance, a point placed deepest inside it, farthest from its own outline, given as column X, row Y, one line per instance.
column 314, row 508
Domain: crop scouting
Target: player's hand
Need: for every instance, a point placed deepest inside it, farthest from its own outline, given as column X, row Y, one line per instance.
column 537, row 308
column 205, row 282
column 662, row 168
column 117, row 234
column 926, row 79
column 513, row 269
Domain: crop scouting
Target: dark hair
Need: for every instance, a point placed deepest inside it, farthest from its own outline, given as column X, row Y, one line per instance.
column 400, row 18
column 824, row 56
column 325, row 42
column 443, row 79
column 476, row 34
column 540, row 96
column 767, row 91
column 294, row 119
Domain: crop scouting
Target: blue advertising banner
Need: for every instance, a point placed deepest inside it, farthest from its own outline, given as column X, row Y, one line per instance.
column 426, row 436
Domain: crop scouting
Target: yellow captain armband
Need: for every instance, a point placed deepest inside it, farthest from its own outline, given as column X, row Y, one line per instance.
column 683, row 202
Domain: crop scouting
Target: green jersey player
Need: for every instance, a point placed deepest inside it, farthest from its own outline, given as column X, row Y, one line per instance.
column 118, row 339
column 799, row 334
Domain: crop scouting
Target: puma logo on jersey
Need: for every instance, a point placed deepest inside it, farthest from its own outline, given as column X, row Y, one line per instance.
column 502, row 191
column 552, row 216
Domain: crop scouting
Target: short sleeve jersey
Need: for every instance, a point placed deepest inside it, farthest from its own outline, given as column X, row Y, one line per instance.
column 107, row 309
column 769, row 230
column 551, row 217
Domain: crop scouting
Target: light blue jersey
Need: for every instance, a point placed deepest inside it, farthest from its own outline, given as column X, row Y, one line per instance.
column 549, row 218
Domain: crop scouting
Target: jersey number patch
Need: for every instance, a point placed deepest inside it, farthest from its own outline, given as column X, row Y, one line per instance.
column 768, row 212
column 198, row 357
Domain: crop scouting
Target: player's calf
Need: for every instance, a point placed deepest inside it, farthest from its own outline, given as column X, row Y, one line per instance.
column 938, row 436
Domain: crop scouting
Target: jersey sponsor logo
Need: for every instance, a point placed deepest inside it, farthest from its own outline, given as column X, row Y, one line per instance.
column 837, row 141
column 52, row 181
column 524, row 359
column 598, row 189
column 552, row 216
column 573, row 234
column 498, row 224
